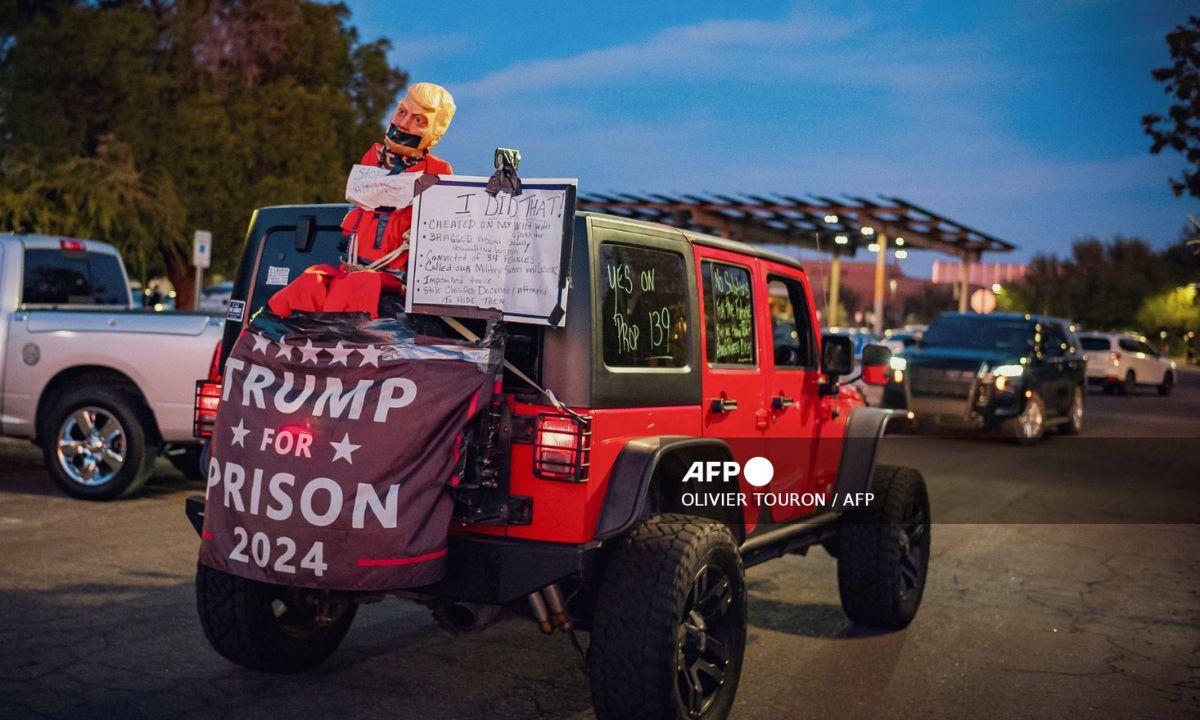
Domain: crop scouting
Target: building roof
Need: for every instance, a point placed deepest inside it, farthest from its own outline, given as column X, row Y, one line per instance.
column 818, row 222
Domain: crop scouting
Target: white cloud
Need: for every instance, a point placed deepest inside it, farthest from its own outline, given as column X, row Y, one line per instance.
column 408, row 51
column 686, row 51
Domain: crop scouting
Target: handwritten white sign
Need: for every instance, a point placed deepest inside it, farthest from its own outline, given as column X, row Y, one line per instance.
column 371, row 187
column 503, row 252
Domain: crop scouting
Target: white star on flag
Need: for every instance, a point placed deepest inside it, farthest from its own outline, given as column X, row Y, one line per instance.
column 260, row 343
column 285, row 350
column 239, row 433
column 309, row 352
column 339, row 353
column 343, row 449
column 370, row 356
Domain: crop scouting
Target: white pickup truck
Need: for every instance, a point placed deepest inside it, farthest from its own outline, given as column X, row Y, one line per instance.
column 102, row 386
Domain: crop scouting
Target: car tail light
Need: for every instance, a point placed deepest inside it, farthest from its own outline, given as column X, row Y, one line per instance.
column 208, row 397
column 562, row 448
column 1115, row 357
column 69, row 245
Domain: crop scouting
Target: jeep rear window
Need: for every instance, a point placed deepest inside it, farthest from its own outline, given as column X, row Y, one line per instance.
column 728, row 314
column 643, row 305
column 53, row 277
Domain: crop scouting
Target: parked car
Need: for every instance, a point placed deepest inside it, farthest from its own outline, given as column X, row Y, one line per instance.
column 900, row 340
column 1120, row 362
column 658, row 582
column 1017, row 373
column 215, row 298
column 101, row 385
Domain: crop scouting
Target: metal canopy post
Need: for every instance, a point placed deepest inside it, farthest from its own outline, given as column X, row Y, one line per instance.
column 835, row 284
column 964, row 275
column 880, row 268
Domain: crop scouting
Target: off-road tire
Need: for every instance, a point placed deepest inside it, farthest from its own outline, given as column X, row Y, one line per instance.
column 880, row 582
column 636, row 649
column 1167, row 384
column 136, row 427
column 1129, row 385
column 240, row 622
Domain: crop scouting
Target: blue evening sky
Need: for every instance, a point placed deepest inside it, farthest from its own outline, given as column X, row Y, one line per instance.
column 1018, row 118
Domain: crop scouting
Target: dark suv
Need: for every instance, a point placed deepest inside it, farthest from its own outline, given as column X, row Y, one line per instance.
column 679, row 351
column 1017, row 373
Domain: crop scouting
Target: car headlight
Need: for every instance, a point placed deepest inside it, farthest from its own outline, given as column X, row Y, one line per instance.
column 898, row 363
column 1011, row 371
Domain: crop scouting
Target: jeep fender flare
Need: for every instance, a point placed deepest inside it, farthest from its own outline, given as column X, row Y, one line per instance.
column 865, row 427
column 631, row 479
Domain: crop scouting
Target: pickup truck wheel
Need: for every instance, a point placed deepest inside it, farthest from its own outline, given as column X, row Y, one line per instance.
column 670, row 624
column 1028, row 427
column 269, row 628
column 883, row 551
column 95, row 445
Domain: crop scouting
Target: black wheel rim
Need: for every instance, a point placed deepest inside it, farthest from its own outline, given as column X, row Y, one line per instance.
column 913, row 533
column 705, row 637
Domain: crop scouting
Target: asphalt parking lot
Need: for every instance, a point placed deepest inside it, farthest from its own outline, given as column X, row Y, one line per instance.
column 1065, row 582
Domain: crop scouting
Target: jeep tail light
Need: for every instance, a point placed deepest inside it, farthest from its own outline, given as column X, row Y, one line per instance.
column 1115, row 357
column 562, row 448
column 208, row 397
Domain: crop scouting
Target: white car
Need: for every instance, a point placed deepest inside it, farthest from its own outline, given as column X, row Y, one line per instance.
column 1120, row 363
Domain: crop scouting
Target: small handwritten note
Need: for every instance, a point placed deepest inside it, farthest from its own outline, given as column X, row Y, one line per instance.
column 733, row 323
column 371, row 187
column 502, row 252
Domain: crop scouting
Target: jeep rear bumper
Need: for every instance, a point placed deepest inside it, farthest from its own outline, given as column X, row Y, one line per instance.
column 488, row 570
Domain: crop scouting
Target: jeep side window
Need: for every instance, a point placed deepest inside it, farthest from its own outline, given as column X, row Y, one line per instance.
column 790, row 324
column 643, row 307
column 728, row 314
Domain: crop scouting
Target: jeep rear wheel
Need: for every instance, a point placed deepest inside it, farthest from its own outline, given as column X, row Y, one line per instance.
column 268, row 627
column 670, row 623
column 883, row 551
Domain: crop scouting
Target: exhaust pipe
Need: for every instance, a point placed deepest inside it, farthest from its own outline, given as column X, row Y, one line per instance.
column 558, row 610
column 464, row 617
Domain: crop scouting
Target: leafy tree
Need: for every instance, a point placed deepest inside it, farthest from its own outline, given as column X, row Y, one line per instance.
column 1175, row 311
column 1180, row 130
column 239, row 103
column 109, row 199
column 932, row 300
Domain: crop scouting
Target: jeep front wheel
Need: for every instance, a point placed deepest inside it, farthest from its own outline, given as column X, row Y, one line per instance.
column 883, row 551
column 670, row 623
column 268, row 627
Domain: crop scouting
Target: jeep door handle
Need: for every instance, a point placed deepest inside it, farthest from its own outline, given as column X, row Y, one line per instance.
column 782, row 402
column 724, row 405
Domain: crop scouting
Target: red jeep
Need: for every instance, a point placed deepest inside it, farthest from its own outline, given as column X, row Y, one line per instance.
column 684, row 358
